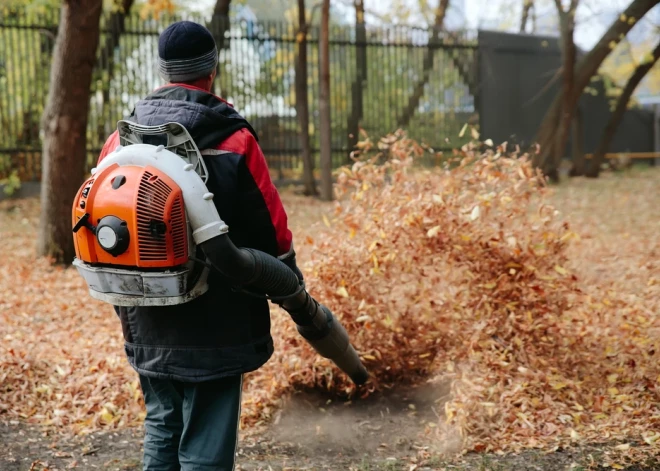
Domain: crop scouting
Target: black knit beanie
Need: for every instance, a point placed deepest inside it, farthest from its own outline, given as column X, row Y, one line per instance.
column 186, row 51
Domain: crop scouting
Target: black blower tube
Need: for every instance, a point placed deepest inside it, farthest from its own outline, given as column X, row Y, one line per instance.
column 266, row 274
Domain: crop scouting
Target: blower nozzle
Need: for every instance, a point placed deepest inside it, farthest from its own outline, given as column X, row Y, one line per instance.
column 266, row 274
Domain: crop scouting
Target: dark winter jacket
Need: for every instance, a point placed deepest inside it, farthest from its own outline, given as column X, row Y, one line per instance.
column 221, row 332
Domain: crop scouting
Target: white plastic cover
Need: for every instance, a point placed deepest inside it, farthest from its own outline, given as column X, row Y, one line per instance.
column 202, row 213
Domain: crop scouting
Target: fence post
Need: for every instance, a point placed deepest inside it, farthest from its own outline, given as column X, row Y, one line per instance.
column 324, row 103
column 302, row 104
column 357, row 87
column 656, row 132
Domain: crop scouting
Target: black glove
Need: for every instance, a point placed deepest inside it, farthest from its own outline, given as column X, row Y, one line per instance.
column 289, row 259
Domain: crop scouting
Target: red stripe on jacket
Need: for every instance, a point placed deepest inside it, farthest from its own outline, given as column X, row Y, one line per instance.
column 243, row 142
column 110, row 145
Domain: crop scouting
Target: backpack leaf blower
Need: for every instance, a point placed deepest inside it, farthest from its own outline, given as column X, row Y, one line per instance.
column 146, row 233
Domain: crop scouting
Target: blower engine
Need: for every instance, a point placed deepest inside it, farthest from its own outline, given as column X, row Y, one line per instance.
column 146, row 233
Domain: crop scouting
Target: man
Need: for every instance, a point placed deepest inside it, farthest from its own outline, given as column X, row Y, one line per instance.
column 190, row 358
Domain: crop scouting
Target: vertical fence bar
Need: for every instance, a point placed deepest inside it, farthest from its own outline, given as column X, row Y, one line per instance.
column 4, row 119
column 11, row 85
column 22, row 68
column 34, row 101
column 25, row 67
column 384, row 55
column 334, row 92
column 380, row 70
column 399, row 70
column 388, row 53
column 22, row 115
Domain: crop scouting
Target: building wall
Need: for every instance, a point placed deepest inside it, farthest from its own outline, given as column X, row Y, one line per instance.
column 518, row 80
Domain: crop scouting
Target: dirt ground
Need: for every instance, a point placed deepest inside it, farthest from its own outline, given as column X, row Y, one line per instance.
column 395, row 432
column 389, row 433
column 385, row 433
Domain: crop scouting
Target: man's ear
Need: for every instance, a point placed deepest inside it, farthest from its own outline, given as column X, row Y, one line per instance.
column 210, row 79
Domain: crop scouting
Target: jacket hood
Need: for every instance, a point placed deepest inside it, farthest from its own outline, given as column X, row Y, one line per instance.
column 208, row 119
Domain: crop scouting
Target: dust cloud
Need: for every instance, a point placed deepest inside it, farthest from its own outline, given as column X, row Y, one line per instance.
column 390, row 424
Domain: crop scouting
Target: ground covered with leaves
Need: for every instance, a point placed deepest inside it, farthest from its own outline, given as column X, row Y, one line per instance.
column 529, row 315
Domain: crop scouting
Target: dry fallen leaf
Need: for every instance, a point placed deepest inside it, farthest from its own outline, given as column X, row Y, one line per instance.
column 463, row 129
column 433, row 231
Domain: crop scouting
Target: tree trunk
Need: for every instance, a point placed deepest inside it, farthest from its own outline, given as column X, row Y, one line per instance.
column 302, row 105
column 584, row 70
column 567, row 21
column 578, row 167
column 116, row 27
column 556, row 125
column 617, row 115
column 65, row 124
column 527, row 6
column 324, row 103
column 546, row 139
column 357, row 88
column 218, row 26
column 427, row 65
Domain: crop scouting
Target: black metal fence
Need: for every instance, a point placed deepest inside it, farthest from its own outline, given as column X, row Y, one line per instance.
column 396, row 77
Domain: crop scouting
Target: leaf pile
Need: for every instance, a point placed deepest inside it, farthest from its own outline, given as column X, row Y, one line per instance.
column 462, row 273
column 61, row 358
column 465, row 273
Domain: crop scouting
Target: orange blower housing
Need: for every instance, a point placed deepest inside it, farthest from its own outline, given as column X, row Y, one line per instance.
column 144, row 209
column 131, row 221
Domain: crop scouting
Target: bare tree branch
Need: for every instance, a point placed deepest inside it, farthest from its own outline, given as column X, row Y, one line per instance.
column 427, row 65
column 560, row 8
column 527, row 6
column 619, row 111
column 586, row 67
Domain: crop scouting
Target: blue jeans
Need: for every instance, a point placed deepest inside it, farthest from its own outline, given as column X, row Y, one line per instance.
column 191, row 426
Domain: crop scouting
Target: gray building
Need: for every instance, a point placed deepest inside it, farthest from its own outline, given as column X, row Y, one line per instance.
column 518, row 78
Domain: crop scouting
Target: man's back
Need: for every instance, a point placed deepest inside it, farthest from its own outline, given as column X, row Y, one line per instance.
column 222, row 332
